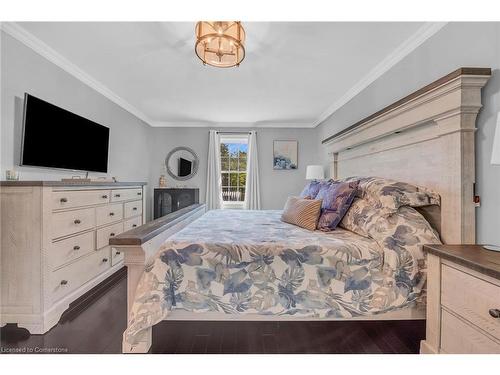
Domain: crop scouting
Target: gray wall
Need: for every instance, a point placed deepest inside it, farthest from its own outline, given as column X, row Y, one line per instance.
column 23, row 70
column 275, row 186
column 456, row 45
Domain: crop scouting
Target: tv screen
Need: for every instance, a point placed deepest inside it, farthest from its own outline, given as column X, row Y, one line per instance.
column 184, row 167
column 56, row 138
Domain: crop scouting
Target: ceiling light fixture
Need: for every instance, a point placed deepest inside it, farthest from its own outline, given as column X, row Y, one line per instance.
column 220, row 43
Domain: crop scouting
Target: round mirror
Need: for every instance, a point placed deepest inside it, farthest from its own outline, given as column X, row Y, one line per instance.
column 182, row 163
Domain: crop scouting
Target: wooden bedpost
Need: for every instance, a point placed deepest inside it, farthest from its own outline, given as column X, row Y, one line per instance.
column 139, row 246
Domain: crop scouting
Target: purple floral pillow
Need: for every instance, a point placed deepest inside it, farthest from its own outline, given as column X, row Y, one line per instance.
column 311, row 190
column 337, row 197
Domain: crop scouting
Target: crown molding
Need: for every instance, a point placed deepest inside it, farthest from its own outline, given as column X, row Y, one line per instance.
column 404, row 49
column 207, row 124
column 40, row 47
column 22, row 35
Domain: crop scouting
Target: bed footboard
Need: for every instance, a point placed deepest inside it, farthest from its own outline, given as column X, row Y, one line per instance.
column 139, row 245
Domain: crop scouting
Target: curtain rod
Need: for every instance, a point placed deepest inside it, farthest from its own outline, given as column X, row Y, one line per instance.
column 233, row 132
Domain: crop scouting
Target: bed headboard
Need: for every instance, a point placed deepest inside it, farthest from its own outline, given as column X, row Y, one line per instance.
column 427, row 139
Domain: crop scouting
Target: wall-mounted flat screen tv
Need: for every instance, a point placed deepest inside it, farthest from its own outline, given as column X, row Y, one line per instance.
column 56, row 138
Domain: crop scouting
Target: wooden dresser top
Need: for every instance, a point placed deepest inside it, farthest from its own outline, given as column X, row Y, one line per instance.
column 472, row 256
column 65, row 183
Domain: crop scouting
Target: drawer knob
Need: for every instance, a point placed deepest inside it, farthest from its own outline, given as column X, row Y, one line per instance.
column 76, row 247
column 104, row 260
column 117, row 195
column 111, row 234
column 77, row 221
column 495, row 313
column 134, row 225
column 111, row 214
column 134, row 208
column 64, row 282
column 104, row 196
column 139, row 193
column 117, row 253
column 63, row 200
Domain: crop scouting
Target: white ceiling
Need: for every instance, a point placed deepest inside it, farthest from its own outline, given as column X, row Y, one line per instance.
column 292, row 75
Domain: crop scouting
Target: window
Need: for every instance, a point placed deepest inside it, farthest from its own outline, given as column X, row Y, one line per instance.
column 233, row 152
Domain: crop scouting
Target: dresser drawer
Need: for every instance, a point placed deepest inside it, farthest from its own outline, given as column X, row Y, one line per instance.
column 471, row 298
column 458, row 337
column 72, row 248
column 116, row 256
column 132, row 208
column 120, row 195
column 132, row 223
column 109, row 214
column 72, row 199
column 67, row 279
column 104, row 234
column 69, row 222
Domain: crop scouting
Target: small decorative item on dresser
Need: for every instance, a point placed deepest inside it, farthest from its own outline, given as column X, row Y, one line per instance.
column 162, row 182
column 11, row 175
column 463, row 300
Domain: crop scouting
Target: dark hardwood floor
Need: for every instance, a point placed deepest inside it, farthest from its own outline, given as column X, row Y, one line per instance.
column 98, row 328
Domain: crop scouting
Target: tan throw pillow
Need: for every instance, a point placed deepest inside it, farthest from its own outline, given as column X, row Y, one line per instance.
column 302, row 212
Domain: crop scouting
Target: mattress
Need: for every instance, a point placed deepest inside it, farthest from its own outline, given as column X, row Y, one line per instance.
column 250, row 262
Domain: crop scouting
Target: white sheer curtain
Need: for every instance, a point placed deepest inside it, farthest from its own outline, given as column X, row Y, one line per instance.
column 213, row 198
column 252, row 190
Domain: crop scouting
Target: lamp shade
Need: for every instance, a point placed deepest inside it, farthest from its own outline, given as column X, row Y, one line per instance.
column 315, row 172
column 495, row 154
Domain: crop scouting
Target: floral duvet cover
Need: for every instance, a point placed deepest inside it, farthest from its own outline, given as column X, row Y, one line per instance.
column 250, row 262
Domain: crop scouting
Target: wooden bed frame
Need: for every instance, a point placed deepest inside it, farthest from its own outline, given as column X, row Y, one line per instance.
column 426, row 138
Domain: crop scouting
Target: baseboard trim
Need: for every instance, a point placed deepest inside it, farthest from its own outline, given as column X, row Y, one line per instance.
column 86, row 299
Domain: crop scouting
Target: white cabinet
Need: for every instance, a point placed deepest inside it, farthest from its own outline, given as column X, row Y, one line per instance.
column 54, row 245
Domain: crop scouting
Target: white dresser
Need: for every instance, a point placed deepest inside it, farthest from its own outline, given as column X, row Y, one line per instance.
column 55, row 244
column 463, row 300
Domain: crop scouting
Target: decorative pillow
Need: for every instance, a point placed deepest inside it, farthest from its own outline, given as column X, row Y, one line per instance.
column 311, row 189
column 302, row 212
column 336, row 199
column 389, row 195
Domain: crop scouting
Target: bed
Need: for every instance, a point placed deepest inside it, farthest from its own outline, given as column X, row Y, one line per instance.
column 249, row 265
column 250, row 262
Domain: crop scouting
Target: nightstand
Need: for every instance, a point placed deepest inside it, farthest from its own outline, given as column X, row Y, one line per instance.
column 463, row 300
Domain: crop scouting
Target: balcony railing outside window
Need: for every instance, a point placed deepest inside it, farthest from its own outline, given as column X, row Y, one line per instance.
column 233, row 194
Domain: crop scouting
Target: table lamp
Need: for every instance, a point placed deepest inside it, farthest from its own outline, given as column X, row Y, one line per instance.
column 315, row 172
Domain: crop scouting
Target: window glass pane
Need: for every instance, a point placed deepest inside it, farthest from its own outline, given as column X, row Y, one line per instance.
column 224, row 149
column 242, row 179
column 225, row 179
column 233, row 164
column 243, row 164
column 224, row 164
column 233, row 179
column 242, row 194
column 233, row 149
column 243, row 150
